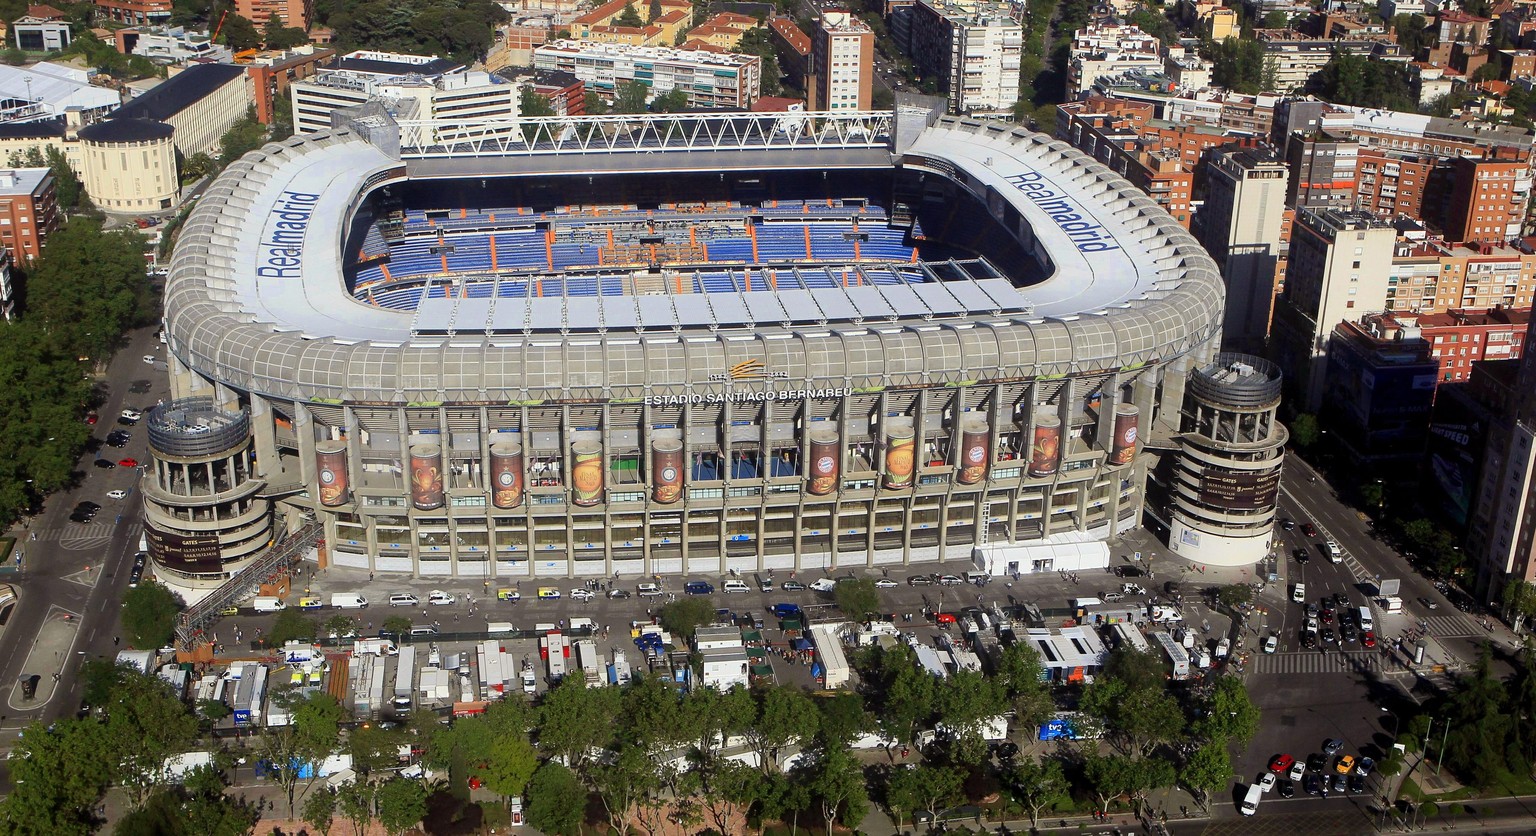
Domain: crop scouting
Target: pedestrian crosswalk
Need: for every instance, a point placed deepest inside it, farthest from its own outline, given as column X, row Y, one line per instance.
column 1452, row 625
column 87, row 536
column 1311, row 661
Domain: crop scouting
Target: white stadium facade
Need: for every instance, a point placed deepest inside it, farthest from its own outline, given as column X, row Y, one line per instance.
column 693, row 344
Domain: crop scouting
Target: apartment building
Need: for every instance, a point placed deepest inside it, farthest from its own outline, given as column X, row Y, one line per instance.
column 136, row 12
column 1501, row 530
column 566, row 95
column 273, row 71
column 1121, row 136
column 1104, row 50
column 1294, row 56
column 1488, row 204
column 972, row 47
column 1379, row 392
column 722, row 31
column 710, row 79
column 296, row 13
column 1338, row 268
column 356, row 78
column 1240, row 225
column 600, row 24
column 29, row 211
column 843, row 49
column 1324, row 171
column 170, row 45
column 793, row 49
column 1389, row 183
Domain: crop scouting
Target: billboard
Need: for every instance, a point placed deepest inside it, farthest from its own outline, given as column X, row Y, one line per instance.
column 186, row 553
column 1239, row 490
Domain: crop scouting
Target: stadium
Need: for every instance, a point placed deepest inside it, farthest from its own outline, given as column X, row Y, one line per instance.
column 658, row 345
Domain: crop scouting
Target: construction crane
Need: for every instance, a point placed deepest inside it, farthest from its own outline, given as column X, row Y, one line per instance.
column 217, row 29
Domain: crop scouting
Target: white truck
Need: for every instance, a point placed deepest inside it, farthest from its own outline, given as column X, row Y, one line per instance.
column 829, row 650
column 591, row 665
column 405, row 678
column 556, row 651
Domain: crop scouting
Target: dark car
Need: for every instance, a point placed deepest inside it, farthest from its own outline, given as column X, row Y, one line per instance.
column 618, row 593
column 792, row 586
column 1329, row 637
column 125, row 421
column 1007, row 751
column 1309, row 529
column 1328, row 609
column 1332, row 746
column 1287, row 789
column 136, row 575
column 1308, row 639
column 1311, row 784
column 919, row 580
column 1340, row 783
column 105, row 464
column 1350, row 632
column 698, row 588
column 1301, row 556
column 81, row 518
column 1356, row 783
column 1287, row 524
column 1316, row 762
column 87, row 505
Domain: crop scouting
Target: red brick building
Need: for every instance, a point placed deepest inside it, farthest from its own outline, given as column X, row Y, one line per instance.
column 1457, row 339
column 29, row 211
column 272, row 72
column 1484, row 205
column 1389, row 184
column 566, row 93
column 136, row 12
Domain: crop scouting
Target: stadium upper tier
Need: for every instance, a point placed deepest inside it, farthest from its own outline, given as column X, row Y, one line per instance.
column 257, row 295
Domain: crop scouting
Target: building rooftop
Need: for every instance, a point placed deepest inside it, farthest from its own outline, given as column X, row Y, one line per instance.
column 126, row 130
column 38, row 129
column 659, row 53
column 394, row 63
column 19, row 181
column 791, row 33
column 179, row 92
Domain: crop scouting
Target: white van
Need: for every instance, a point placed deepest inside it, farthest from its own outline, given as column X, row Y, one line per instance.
column 403, row 599
column 348, row 601
column 1250, row 803
column 1335, row 553
column 647, row 590
column 1365, row 619
column 267, row 603
column 735, row 586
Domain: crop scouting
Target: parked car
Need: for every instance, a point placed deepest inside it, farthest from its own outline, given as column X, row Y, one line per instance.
column 919, row 580
column 823, row 585
column 581, row 593
column 105, row 465
column 118, row 493
column 698, row 588
column 128, row 463
column 1298, row 769
column 135, row 575
column 131, row 414
column 1267, row 781
column 549, row 593
column 617, row 593
column 1345, row 765
column 1302, row 556
column 1287, row 524
column 1281, row 763
column 149, row 359
column 884, row 583
column 439, row 598
column 950, row 580
column 792, row 586
column 1271, row 644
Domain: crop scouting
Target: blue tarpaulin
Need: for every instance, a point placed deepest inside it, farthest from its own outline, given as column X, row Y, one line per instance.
column 801, row 644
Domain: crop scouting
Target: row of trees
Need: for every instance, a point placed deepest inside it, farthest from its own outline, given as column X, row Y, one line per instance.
column 1484, row 730
column 74, row 303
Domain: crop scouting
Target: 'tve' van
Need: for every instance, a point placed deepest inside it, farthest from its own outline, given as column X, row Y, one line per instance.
column 267, row 603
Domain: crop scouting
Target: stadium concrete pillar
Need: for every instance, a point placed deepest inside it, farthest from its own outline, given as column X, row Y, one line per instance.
column 264, row 435
column 184, row 382
column 304, row 437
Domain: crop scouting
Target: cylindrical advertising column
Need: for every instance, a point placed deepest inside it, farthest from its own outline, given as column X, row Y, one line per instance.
column 824, row 461
column 331, row 469
column 1127, row 419
column 427, row 477
column 666, row 469
column 975, row 436
column 1045, row 453
column 506, row 474
column 587, row 471
column 900, row 450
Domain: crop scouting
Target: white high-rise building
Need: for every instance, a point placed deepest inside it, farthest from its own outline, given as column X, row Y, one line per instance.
column 972, row 48
column 412, row 86
column 1239, row 225
column 844, row 55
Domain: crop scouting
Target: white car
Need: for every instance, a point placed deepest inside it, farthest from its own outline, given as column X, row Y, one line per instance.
column 823, row 584
column 439, row 598
column 1271, row 644
column 884, row 583
column 1267, row 781
column 1298, row 770
column 117, row 494
column 581, row 593
column 149, row 359
column 131, row 414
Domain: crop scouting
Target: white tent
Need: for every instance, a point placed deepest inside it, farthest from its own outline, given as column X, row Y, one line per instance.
column 1072, row 551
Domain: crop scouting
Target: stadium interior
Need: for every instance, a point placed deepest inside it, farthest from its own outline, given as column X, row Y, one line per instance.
column 683, row 233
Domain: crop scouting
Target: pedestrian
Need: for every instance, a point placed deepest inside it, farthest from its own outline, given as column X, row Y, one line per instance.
column 370, row 577
column 423, row 613
column 115, row 640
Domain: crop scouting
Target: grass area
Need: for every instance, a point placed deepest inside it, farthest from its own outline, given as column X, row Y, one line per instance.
column 1509, row 785
column 6, row 544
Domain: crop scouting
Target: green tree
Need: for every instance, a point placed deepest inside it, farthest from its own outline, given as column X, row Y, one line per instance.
column 566, row 729
column 1109, row 776
column 68, row 191
column 1023, row 681
column 592, row 103
column 1207, row 772
column 396, row 625
column 275, row 35
column 858, row 599
column 88, row 287
column 1276, row 20
column 375, row 749
column 630, row 97
column 1229, row 713
column 1519, row 600
column 149, row 615
column 784, row 715
column 11, row 56
column 198, row 166
column 57, row 774
column 909, row 790
column 904, row 694
column 557, row 801
column 292, row 625
column 687, row 614
column 401, row 804
column 622, row 781
column 672, row 101
column 965, row 704
column 836, row 780
column 355, row 803
column 1038, row 785
column 1412, row 34
column 206, row 808
column 146, row 724
column 1155, row 23
column 1237, row 64
column 297, row 749
column 41, row 404
column 1235, row 595
column 629, row 17
column 239, row 33
column 242, row 137
column 1304, row 430
column 320, row 809
column 531, row 104
column 843, row 718
column 758, row 42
